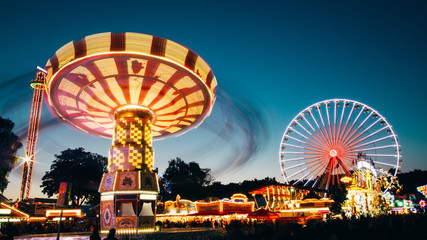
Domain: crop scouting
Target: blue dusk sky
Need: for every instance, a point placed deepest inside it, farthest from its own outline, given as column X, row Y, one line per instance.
column 271, row 59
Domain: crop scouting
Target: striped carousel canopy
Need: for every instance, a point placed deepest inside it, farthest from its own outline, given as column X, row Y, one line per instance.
column 88, row 80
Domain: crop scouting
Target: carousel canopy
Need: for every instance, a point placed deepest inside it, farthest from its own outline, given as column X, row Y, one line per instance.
column 87, row 80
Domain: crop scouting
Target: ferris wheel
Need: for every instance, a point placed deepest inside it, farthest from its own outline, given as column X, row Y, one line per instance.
column 333, row 138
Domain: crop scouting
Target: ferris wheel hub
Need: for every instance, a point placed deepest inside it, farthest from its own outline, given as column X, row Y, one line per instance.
column 333, row 153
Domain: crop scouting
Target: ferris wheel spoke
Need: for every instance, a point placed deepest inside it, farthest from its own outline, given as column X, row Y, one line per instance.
column 301, row 164
column 296, row 159
column 302, row 135
column 346, row 123
column 385, row 164
column 296, row 139
column 320, row 138
column 373, row 148
column 343, row 139
column 340, row 123
column 315, row 172
column 317, row 142
column 295, row 173
column 318, row 127
column 347, row 159
column 319, row 172
column 335, row 122
column 308, row 180
column 373, row 141
column 353, row 140
column 315, row 182
column 329, row 124
column 301, row 147
column 301, row 178
column 351, row 144
column 311, row 140
column 346, row 165
column 303, row 153
column 382, row 155
column 308, row 172
column 324, row 126
column 294, row 166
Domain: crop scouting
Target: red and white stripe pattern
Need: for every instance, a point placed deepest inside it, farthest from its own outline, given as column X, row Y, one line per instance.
column 88, row 79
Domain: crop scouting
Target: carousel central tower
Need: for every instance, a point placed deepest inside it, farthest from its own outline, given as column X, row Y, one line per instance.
column 132, row 140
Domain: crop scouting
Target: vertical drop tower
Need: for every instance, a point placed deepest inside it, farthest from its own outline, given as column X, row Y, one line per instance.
column 33, row 129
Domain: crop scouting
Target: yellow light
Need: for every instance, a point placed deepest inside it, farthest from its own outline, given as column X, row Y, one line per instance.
column 65, row 212
column 346, row 179
column 306, row 210
column 14, row 209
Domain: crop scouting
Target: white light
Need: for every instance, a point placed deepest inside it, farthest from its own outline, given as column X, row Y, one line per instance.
column 5, row 211
column 147, row 197
column 333, row 153
column 41, row 69
column 107, row 197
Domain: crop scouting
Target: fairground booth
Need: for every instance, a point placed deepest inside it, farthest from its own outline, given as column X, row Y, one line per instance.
column 293, row 203
column 212, row 210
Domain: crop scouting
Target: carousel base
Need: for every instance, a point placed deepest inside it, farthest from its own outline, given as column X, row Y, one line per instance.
column 128, row 202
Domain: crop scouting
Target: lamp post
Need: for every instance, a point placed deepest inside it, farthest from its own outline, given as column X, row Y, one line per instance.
column 291, row 205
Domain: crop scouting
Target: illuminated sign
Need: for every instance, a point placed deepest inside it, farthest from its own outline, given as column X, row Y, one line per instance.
column 65, row 213
column 346, row 179
column 224, row 207
column 208, row 207
column 237, row 207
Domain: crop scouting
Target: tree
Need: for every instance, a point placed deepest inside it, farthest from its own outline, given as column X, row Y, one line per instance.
column 82, row 169
column 411, row 180
column 338, row 193
column 187, row 179
column 9, row 145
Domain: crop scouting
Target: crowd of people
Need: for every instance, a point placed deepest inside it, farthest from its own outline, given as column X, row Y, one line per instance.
column 8, row 230
column 388, row 227
column 381, row 227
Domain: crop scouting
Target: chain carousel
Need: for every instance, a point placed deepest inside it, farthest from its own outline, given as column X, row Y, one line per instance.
column 132, row 88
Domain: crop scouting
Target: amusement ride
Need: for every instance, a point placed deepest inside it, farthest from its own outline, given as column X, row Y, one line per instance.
column 32, row 134
column 335, row 138
column 130, row 87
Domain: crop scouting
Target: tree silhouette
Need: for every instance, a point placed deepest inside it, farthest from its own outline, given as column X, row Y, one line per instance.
column 82, row 169
column 411, row 180
column 9, row 145
column 187, row 179
column 338, row 193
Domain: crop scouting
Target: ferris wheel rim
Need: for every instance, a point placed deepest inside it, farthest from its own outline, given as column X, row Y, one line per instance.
column 289, row 129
